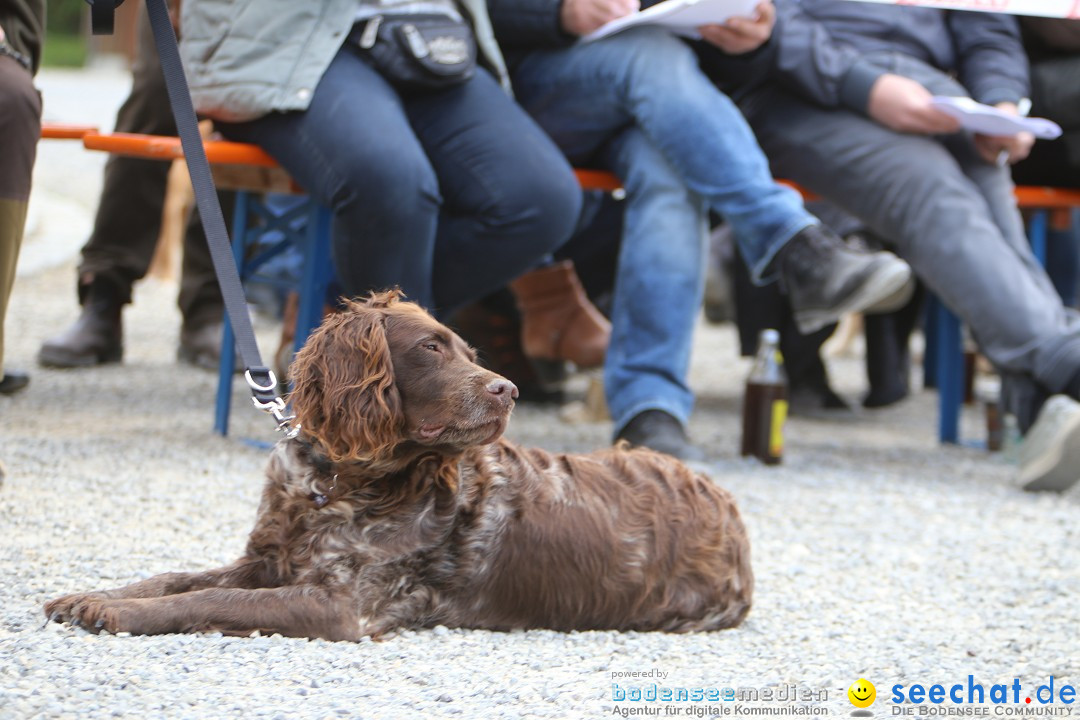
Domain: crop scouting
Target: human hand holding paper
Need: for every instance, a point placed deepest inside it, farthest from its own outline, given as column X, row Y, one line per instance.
column 683, row 17
column 581, row 17
column 998, row 121
column 1002, row 150
column 739, row 34
column 904, row 105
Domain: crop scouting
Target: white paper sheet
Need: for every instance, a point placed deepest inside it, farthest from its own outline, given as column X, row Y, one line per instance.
column 988, row 120
column 679, row 16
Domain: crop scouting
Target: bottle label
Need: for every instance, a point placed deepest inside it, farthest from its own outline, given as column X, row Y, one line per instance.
column 776, row 427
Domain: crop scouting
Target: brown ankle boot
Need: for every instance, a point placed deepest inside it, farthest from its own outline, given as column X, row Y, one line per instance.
column 493, row 327
column 557, row 320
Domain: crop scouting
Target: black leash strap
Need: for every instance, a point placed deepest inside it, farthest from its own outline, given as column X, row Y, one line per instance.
column 260, row 378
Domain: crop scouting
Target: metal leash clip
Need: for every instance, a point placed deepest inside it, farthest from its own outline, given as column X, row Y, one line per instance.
column 275, row 406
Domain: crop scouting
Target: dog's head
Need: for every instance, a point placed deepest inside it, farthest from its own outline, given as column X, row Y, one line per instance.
column 383, row 378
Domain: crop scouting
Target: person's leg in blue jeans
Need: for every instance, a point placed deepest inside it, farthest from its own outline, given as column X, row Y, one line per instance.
column 649, row 78
column 695, row 138
column 459, row 180
column 659, row 283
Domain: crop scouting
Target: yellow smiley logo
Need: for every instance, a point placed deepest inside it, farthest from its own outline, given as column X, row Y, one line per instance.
column 862, row 693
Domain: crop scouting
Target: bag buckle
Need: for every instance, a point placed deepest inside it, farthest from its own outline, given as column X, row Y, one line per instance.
column 371, row 33
column 417, row 45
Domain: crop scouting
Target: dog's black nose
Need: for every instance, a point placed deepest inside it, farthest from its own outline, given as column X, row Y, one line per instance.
column 502, row 386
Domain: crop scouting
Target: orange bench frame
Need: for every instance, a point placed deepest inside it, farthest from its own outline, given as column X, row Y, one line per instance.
column 225, row 152
column 64, row 131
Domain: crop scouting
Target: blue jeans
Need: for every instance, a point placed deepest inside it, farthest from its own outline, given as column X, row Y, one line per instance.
column 448, row 194
column 638, row 104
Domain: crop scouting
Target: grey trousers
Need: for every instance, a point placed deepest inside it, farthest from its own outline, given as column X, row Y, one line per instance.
column 951, row 215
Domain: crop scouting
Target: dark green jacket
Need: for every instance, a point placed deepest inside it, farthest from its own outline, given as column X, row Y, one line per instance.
column 23, row 22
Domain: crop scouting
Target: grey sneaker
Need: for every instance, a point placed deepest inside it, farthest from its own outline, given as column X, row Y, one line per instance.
column 825, row 279
column 1049, row 455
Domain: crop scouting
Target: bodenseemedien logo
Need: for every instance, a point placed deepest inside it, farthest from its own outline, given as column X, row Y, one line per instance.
column 862, row 695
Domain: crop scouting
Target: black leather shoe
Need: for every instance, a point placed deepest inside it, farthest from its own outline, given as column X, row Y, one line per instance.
column 818, row 402
column 825, row 279
column 96, row 337
column 656, row 430
column 13, row 382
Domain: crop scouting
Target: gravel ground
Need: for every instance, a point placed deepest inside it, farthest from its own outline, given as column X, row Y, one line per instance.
column 878, row 553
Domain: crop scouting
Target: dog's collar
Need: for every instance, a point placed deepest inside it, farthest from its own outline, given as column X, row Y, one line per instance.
column 316, row 458
column 321, row 500
column 323, row 467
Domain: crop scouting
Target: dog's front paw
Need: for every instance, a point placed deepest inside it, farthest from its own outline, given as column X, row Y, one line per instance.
column 63, row 609
column 95, row 612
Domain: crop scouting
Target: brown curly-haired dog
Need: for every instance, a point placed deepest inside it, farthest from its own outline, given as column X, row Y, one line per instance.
column 399, row 506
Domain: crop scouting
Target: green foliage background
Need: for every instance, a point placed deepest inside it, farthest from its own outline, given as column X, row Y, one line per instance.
column 65, row 33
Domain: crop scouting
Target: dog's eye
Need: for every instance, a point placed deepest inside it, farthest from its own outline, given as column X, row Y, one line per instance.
column 431, row 346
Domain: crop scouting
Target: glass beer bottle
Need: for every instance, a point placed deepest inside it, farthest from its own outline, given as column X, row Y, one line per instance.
column 765, row 402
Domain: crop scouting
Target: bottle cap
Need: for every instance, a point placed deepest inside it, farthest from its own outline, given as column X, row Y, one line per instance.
column 770, row 336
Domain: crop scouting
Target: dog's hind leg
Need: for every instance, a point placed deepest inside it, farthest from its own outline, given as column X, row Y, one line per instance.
column 293, row 610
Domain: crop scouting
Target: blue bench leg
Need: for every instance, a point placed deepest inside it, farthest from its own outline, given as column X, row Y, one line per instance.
column 318, row 270
column 1037, row 228
column 227, row 361
column 949, row 366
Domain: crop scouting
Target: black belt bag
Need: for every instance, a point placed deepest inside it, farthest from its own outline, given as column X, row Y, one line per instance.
column 418, row 52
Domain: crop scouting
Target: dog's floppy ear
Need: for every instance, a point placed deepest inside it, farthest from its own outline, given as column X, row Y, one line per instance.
column 344, row 394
